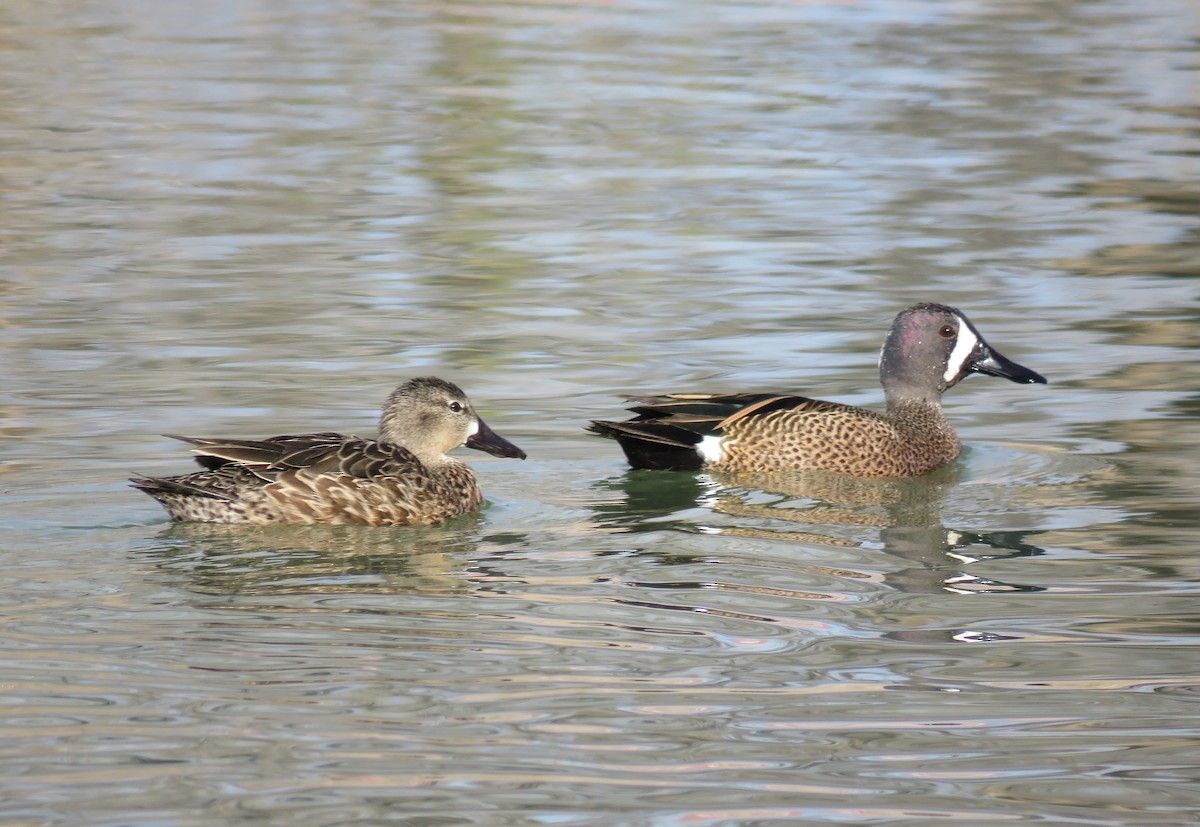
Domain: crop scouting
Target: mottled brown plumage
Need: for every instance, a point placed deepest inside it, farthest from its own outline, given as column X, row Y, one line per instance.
column 929, row 349
column 402, row 478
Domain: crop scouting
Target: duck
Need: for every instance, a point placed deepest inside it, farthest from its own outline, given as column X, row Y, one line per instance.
column 404, row 477
column 929, row 349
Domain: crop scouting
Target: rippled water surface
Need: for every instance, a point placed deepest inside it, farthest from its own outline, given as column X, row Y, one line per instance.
column 259, row 217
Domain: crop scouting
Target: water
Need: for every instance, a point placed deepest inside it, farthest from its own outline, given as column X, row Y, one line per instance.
column 260, row 218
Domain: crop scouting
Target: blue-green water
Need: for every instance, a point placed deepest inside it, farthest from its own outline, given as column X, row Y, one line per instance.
column 258, row 218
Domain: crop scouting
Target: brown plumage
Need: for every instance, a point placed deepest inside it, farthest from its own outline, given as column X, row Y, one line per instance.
column 402, row 478
column 929, row 349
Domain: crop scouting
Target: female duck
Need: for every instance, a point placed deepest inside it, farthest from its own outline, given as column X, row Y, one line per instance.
column 402, row 478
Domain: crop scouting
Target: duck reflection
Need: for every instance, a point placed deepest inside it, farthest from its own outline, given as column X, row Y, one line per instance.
column 902, row 516
column 303, row 559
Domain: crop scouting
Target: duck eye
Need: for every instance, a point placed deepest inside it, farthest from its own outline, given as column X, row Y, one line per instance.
column 947, row 331
column 456, row 407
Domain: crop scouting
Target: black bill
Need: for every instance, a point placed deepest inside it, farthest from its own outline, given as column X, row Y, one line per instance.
column 993, row 363
column 485, row 439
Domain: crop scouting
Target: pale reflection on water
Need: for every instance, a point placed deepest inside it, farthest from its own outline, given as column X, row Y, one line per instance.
column 259, row 219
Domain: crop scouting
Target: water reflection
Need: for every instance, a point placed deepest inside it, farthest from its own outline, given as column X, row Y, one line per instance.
column 901, row 517
column 297, row 559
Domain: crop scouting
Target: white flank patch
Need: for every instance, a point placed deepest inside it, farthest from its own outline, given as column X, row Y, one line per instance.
column 962, row 351
column 473, row 428
column 710, row 448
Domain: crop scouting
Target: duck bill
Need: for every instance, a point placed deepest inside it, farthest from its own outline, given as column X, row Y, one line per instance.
column 485, row 439
column 993, row 363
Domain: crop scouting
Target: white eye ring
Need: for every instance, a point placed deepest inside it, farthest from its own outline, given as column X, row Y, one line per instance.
column 456, row 406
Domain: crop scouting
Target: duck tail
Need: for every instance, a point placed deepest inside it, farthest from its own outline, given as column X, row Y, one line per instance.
column 654, row 444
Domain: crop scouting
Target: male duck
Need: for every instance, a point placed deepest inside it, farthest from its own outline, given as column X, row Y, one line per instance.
column 929, row 349
column 402, row 478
